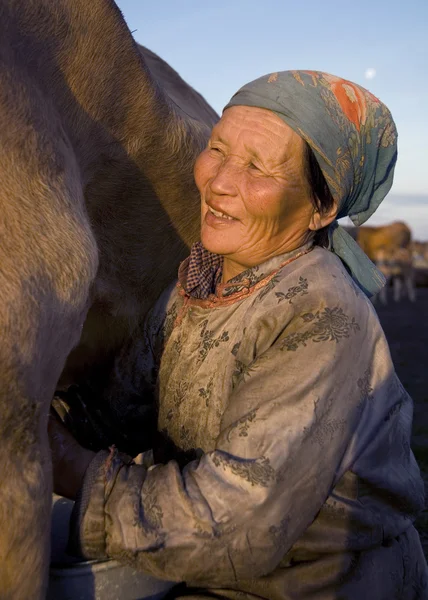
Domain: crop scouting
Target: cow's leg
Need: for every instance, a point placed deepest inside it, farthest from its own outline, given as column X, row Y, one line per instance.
column 48, row 259
column 410, row 285
column 397, row 288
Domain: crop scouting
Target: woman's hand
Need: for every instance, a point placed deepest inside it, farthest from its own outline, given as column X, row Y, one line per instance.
column 69, row 459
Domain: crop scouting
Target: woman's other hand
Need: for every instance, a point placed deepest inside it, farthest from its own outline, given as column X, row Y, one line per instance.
column 69, row 459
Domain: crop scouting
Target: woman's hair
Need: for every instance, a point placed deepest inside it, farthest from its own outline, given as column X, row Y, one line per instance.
column 321, row 196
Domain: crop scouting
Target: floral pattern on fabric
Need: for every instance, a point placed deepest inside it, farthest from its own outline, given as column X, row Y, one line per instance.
column 152, row 509
column 323, row 428
column 298, row 479
column 208, row 341
column 242, row 425
column 241, row 372
column 178, row 397
column 257, row 472
column 301, row 288
column 331, row 324
column 205, row 392
column 365, row 388
column 170, row 318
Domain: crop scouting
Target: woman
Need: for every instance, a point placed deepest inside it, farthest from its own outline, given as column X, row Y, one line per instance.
column 271, row 373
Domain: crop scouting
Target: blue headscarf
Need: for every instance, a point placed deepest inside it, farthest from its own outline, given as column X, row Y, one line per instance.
column 354, row 139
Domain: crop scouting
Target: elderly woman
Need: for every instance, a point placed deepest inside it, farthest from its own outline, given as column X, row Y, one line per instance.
column 289, row 473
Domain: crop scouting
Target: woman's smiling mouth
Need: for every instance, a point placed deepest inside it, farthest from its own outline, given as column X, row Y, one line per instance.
column 220, row 215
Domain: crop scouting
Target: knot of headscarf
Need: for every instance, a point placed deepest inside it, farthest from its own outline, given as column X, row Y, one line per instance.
column 354, row 139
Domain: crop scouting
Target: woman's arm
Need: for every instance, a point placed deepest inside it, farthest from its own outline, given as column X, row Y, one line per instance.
column 235, row 512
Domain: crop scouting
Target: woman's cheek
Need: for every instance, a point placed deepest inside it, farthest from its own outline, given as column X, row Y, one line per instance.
column 259, row 201
column 202, row 169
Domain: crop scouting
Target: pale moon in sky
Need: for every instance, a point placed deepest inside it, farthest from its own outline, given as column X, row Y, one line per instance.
column 370, row 73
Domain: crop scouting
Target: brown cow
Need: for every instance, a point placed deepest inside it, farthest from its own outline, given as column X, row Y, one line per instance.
column 98, row 205
column 388, row 246
column 420, row 252
column 397, row 267
column 403, row 274
column 388, row 237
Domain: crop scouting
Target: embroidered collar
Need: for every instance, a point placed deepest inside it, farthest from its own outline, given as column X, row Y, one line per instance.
column 200, row 274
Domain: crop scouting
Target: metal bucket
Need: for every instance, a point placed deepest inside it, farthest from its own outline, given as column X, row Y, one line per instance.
column 71, row 579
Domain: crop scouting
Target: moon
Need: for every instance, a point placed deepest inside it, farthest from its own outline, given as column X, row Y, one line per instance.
column 370, row 73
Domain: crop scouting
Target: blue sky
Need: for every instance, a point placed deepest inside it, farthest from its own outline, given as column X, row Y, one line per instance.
column 218, row 46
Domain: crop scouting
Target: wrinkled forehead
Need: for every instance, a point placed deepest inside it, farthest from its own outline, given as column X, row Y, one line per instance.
column 258, row 130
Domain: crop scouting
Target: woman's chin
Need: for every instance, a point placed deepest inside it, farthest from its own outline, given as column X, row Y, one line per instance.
column 213, row 243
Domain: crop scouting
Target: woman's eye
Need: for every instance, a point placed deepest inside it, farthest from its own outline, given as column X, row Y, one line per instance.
column 215, row 150
column 212, row 145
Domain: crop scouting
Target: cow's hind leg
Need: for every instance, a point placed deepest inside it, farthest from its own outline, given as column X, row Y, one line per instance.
column 48, row 259
column 411, row 289
column 398, row 288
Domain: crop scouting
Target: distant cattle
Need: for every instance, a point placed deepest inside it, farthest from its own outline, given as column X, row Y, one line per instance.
column 397, row 267
column 420, row 253
column 389, row 247
column 387, row 237
column 420, row 262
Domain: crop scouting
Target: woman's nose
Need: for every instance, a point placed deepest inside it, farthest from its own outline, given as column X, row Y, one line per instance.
column 223, row 183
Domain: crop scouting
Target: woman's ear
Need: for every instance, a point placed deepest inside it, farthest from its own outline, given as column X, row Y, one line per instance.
column 320, row 220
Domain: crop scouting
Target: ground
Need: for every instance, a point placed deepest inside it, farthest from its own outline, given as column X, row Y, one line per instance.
column 406, row 328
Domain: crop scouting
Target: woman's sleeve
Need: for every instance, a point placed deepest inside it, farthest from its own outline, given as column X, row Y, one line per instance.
column 233, row 513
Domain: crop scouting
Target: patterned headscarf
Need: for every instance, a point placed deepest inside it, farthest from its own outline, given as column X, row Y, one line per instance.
column 354, row 139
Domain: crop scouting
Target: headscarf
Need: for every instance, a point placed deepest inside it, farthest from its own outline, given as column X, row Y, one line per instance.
column 354, row 139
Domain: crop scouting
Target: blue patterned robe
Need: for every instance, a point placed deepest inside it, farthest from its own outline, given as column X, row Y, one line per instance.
column 303, row 484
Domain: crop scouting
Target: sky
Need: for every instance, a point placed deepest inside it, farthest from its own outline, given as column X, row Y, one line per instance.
column 383, row 45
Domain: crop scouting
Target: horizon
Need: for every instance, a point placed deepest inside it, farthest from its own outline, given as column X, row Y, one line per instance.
column 399, row 205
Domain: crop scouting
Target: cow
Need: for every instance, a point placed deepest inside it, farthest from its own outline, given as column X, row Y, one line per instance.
column 98, row 137
column 388, row 246
column 403, row 274
column 420, row 262
column 420, row 253
column 386, row 237
column 397, row 267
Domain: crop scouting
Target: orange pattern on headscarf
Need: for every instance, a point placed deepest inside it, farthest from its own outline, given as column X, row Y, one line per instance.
column 351, row 98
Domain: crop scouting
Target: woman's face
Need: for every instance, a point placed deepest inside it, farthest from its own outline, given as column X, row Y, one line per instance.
column 255, row 200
